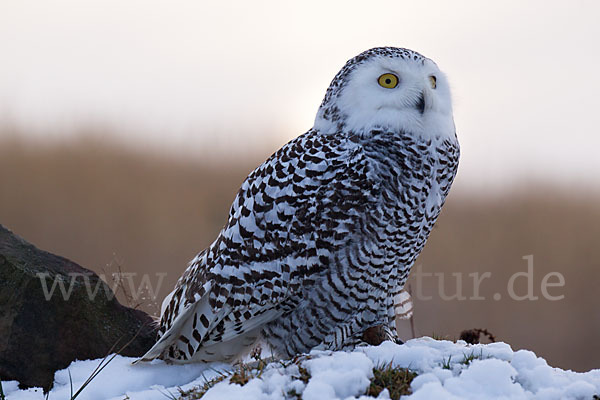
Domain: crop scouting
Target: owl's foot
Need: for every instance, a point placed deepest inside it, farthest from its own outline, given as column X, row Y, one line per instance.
column 378, row 334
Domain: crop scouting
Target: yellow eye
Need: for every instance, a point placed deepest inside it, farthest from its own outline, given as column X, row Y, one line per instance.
column 388, row 81
column 432, row 81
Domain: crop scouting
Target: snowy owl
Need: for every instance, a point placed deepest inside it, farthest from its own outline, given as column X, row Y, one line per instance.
column 321, row 237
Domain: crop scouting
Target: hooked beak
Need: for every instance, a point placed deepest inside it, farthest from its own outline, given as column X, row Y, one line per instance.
column 421, row 103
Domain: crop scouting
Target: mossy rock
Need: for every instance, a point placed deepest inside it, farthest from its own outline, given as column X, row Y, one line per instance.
column 42, row 331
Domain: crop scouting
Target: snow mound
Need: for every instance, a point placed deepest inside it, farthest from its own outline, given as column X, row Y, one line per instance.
column 445, row 370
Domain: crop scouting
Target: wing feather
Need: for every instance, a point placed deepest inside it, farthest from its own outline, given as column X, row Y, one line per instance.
column 265, row 251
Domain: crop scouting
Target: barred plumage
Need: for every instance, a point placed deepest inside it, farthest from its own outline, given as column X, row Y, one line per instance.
column 321, row 237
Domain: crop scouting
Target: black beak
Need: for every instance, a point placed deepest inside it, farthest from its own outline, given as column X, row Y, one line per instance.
column 421, row 104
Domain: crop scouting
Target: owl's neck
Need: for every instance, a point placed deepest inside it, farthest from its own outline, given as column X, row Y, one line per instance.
column 330, row 119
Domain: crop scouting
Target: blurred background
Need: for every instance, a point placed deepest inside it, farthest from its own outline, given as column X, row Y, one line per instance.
column 126, row 128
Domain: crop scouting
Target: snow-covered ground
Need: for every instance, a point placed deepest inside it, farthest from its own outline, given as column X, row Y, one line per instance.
column 446, row 370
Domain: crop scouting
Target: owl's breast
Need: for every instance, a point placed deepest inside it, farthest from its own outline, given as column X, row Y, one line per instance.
column 413, row 176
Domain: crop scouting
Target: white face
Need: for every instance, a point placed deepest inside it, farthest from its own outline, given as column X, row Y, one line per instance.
column 393, row 93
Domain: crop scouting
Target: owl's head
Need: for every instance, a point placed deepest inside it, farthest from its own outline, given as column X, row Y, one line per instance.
column 388, row 88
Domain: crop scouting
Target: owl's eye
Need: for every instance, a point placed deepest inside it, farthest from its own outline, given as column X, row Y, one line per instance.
column 432, row 81
column 388, row 81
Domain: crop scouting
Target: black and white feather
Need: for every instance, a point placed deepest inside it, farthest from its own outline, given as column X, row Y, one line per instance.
column 321, row 237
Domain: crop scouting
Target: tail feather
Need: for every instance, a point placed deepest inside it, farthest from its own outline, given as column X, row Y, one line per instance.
column 169, row 337
column 185, row 321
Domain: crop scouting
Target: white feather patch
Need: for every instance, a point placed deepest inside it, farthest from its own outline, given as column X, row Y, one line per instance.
column 403, row 305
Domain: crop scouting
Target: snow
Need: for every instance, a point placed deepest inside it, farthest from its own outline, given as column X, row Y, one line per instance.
column 445, row 369
column 338, row 375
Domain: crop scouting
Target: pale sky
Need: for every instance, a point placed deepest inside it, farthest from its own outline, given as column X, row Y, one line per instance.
column 249, row 75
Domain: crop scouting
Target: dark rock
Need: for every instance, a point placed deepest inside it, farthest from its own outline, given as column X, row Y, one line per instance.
column 43, row 331
column 472, row 336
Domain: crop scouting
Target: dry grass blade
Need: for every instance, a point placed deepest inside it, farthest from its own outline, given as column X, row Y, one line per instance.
column 70, row 382
column 105, row 361
column 168, row 394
